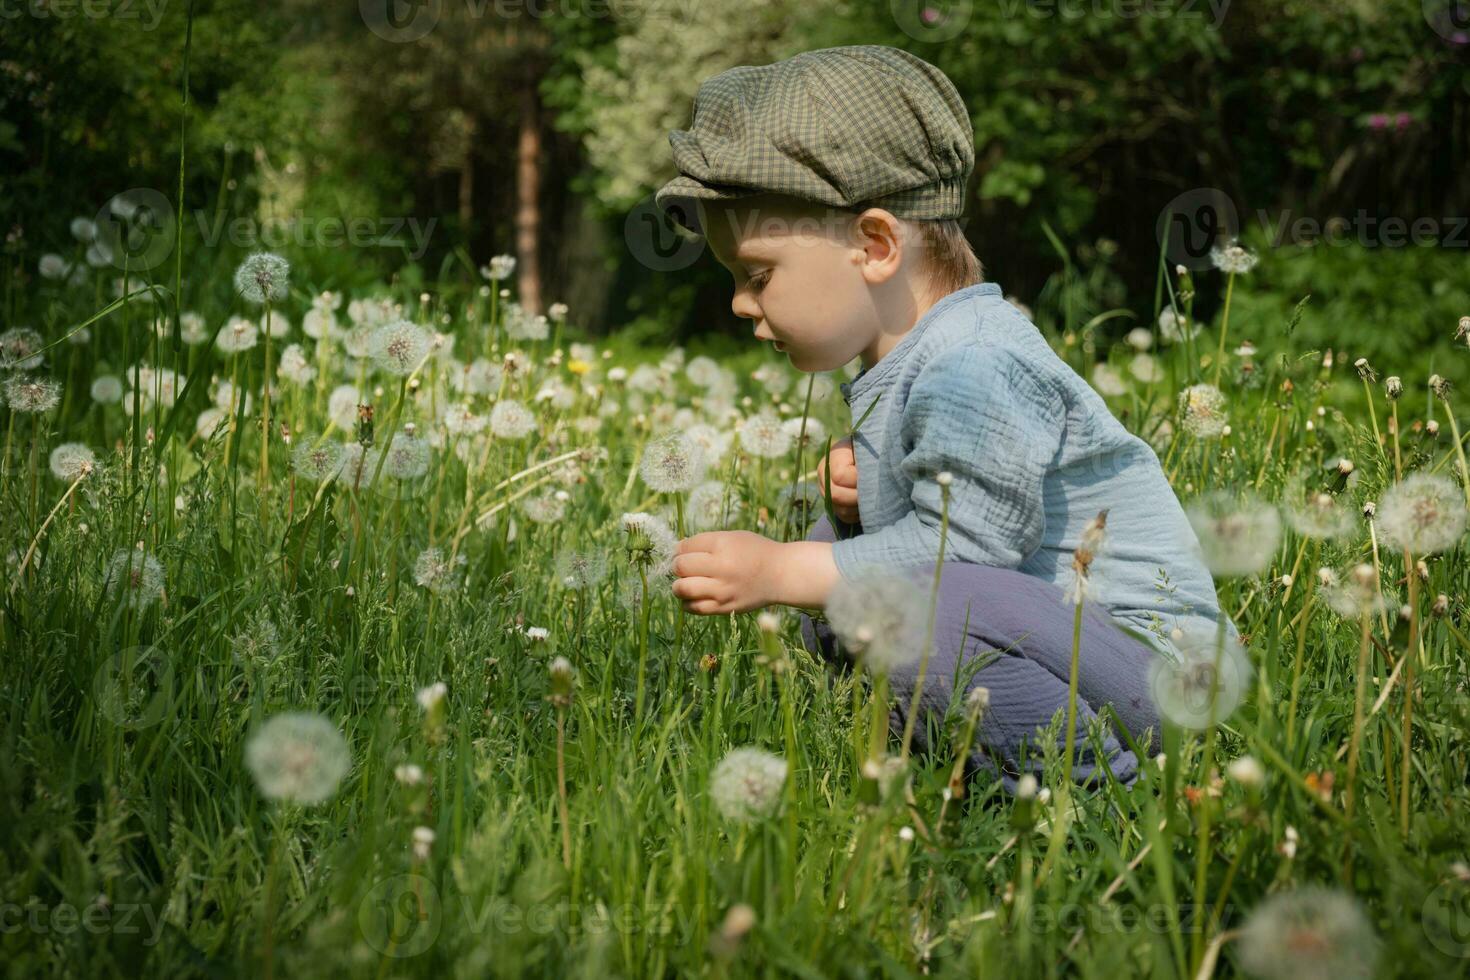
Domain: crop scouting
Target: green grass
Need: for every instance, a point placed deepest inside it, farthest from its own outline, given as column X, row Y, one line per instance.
column 139, row 843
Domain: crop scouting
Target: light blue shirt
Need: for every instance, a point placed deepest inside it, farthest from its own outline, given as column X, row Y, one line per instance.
column 1034, row 454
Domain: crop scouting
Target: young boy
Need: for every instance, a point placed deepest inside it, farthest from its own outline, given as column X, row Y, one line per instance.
column 829, row 184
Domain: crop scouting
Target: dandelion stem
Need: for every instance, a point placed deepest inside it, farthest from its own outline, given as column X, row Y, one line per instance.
column 1360, row 689
column 561, row 787
column 1406, row 758
column 915, row 701
column 1301, row 644
column 1224, row 328
column 1202, row 848
column 19, row 575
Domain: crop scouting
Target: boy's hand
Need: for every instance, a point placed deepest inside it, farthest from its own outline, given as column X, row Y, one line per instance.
column 722, row 572
column 843, row 465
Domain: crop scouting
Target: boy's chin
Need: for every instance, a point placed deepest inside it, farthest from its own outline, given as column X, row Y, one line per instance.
column 806, row 362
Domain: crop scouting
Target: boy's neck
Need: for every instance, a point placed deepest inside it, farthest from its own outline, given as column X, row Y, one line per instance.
column 886, row 340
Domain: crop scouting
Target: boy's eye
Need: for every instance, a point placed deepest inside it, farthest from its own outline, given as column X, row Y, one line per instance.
column 758, row 281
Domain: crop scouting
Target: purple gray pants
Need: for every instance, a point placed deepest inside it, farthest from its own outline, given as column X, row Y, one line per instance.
column 1028, row 622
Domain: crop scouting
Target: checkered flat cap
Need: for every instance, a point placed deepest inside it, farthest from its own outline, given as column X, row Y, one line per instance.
column 850, row 127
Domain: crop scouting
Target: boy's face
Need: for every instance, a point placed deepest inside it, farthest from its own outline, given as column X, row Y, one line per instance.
column 802, row 279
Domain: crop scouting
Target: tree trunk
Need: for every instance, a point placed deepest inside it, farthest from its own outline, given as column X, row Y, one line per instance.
column 528, row 194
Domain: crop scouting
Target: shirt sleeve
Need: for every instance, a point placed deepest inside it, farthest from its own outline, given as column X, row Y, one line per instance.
column 989, row 420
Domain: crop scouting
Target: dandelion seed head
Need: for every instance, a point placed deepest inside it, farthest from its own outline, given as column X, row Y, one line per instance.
column 879, row 616
column 258, row 644
column 581, row 570
column 1202, row 408
column 262, row 277
column 432, row 696
column 316, row 463
column 765, row 436
column 71, row 461
column 20, row 349
column 299, row 757
column 1234, row 537
column 435, row 571
column 746, row 784
column 399, row 347
column 510, row 419
column 237, row 335
column 544, row 508
column 1233, row 258
column 1309, row 933
column 1190, row 691
column 407, row 458
column 294, row 367
column 707, row 510
column 107, row 389
column 672, row 464
column 1424, row 513
column 32, row 395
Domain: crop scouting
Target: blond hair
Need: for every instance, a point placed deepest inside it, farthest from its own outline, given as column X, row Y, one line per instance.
column 947, row 259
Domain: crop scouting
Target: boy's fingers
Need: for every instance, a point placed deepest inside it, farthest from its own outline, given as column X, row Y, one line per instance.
column 695, row 587
column 848, row 515
column 693, row 563
column 697, row 542
column 844, row 496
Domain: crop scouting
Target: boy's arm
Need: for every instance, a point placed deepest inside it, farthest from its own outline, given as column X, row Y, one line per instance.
column 984, row 416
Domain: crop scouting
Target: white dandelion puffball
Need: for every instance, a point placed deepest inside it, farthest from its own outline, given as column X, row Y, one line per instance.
column 192, row 328
column 407, row 458
column 400, row 347
column 881, row 617
column 746, row 784
column 1423, row 513
column 480, row 377
column 509, row 419
column 294, row 367
column 19, row 349
column 342, row 406
column 1190, row 691
column 579, row 570
column 71, row 461
column 1202, row 408
column 319, row 323
column 462, row 420
column 816, row 432
column 277, row 325
column 209, row 421
column 436, row 572
column 134, row 576
column 1309, row 933
column 765, row 436
column 299, row 757
column 702, row 371
column 1108, row 382
column 1315, row 513
column 1233, row 258
column 32, row 396
column 714, row 442
column 237, row 335
column 1145, row 367
column 316, row 463
column 1174, row 328
column 1354, row 591
column 107, row 389
column 83, row 229
column 262, row 277
column 1140, row 338
column 546, row 508
column 712, row 506
column 672, row 464
column 432, row 696
column 1235, row 537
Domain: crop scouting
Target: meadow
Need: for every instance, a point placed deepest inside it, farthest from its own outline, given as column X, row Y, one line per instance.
column 339, row 641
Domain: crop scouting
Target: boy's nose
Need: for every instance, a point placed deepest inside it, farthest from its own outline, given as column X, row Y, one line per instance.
column 744, row 305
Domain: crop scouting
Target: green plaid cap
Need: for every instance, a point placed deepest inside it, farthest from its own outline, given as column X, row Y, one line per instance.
column 850, row 127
